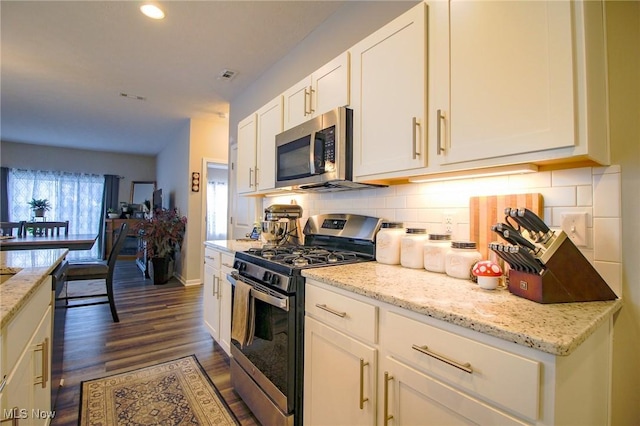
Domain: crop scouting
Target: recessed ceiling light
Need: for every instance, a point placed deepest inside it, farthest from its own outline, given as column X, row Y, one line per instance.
column 152, row 11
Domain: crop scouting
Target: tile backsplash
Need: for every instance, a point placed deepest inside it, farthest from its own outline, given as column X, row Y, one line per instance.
column 591, row 190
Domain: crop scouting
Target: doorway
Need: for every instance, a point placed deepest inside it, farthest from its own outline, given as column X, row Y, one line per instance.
column 217, row 184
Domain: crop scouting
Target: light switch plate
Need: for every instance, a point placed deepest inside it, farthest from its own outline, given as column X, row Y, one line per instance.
column 575, row 226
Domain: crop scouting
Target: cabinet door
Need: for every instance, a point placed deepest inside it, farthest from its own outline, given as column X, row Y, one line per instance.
column 297, row 103
column 336, row 368
column 330, row 85
column 502, row 78
column 414, row 398
column 269, row 125
column 29, row 384
column 211, row 301
column 244, row 210
column 225, row 305
column 388, row 95
column 246, row 161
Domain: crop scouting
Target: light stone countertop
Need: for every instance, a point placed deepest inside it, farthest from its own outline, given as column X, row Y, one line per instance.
column 557, row 329
column 31, row 268
column 233, row 246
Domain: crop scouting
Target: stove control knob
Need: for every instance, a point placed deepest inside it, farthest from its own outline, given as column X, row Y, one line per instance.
column 267, row 276
column 240, row 266
column 275, row 279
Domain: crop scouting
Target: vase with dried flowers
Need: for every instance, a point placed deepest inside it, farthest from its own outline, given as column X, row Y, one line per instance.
column 163, row 234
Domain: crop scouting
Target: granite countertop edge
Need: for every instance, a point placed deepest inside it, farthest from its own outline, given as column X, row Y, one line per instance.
column 557, row 329
column 26, row 280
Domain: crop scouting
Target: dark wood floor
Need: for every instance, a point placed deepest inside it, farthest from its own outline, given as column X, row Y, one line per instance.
column 157, row 323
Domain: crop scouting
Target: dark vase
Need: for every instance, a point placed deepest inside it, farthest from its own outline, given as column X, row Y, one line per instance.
column 38, row 212
column 161, row 269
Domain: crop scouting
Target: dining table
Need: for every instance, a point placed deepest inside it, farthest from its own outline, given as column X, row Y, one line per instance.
column 31, row 242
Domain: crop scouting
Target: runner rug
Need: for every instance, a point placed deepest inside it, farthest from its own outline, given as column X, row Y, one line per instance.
column 172, row 393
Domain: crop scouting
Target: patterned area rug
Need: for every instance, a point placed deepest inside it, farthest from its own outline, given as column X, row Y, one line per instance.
column 172, row 393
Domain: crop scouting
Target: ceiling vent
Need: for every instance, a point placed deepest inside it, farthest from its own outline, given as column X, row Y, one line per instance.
column 227, row 75
column 135, row 97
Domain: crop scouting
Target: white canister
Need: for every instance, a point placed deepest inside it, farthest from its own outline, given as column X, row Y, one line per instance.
column 435, row 252
column 460, row 259
column 388, row 243
column 412, row 248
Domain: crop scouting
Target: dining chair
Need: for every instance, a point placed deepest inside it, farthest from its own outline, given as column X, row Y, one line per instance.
column 44, row 229
column 96, row 270
column 12, row 228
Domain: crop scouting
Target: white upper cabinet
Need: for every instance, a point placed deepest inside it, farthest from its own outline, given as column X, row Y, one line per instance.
column 515, row 82
column 269, row 125
column 256, row 148
column 388, row 97
column 246, row 163
column 322, row 91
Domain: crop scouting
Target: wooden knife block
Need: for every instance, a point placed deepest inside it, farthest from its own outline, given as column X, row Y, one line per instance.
column 569, row 277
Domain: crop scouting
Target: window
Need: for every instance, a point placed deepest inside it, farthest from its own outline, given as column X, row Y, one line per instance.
column 75, row 197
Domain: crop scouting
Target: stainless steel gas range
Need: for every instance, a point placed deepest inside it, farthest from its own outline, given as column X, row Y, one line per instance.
column 267, row 370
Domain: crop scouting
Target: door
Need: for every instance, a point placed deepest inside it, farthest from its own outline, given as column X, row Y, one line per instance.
column 388, row 96
column 502, row 78
column 338, row 366
column 211, row 301
column 217, row 184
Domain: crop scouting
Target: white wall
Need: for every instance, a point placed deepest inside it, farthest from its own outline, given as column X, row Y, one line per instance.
column 623, row 33
column 39, row 157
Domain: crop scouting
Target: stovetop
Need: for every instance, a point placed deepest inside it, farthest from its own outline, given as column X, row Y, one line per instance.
column 334, row 239
column 301, row 257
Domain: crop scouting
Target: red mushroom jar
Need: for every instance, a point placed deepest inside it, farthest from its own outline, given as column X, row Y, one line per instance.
column 488, row 274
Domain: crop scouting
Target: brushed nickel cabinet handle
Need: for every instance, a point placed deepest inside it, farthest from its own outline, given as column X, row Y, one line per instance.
column 250, row 177
column 307, row 98
column 466, row 367
column 331, row 311
column 3, row 383
column 216, row 286
column 44, row 349
column 363, row 364
column 256, row 177
column 311, row 92
column 14, row 418
column 439, row 118
column 386, row 416
column 414, row 125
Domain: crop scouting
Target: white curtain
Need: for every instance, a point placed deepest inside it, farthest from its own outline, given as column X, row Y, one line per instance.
column 216, row 210
column 75, row 197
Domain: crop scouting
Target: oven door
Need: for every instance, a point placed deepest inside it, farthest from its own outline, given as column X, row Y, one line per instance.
column 270, row 358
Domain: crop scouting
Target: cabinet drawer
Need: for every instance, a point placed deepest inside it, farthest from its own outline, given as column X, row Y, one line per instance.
column 22, row 327
column 348, row 315
column 226, row 260
column 212, row 257
column 492, row 374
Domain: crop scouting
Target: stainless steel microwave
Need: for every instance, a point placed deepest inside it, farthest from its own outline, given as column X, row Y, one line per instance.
column 316, row 154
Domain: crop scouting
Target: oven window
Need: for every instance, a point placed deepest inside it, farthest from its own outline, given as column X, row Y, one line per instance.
column 270, row 351
column 292, row 160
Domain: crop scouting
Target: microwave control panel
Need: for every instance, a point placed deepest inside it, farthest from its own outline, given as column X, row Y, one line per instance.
column 329, row 148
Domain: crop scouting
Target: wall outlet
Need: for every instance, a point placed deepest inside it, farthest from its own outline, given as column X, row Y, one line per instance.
column 575, row 226
column 447, row 223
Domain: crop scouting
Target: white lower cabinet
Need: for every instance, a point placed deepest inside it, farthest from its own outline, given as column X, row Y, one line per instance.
column 379, row 364
column 339, row 373
column 26, row 362
column 217, row 296
column 411, row 397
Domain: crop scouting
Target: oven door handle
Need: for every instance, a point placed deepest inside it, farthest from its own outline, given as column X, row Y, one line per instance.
column 281, row 303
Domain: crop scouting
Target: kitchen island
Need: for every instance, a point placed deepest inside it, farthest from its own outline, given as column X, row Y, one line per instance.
column 425, row 348
column 24, row 271
column 26, row 318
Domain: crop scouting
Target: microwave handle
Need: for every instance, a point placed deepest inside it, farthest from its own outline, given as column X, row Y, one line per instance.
column 312, row 154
